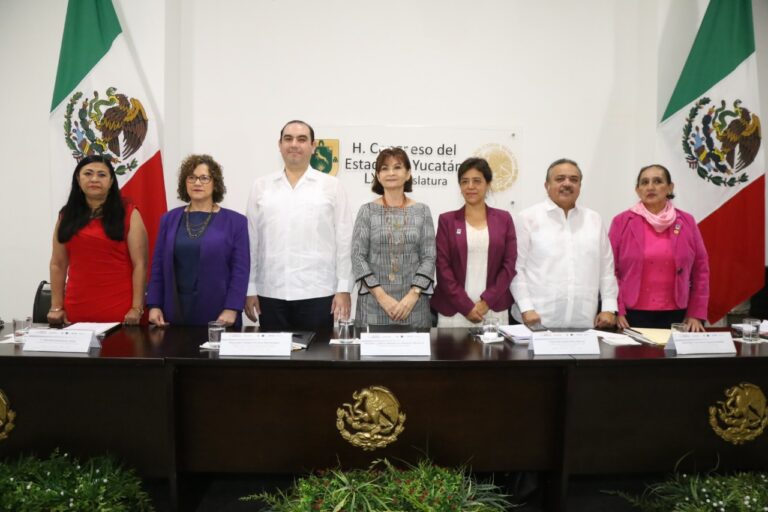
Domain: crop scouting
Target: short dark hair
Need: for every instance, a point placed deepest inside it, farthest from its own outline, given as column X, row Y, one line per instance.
column 663, row 169
column 560, row 161
column 298, row 121
column 76, row 213
column 479, row 164
column 189, row 165
column 398, row 154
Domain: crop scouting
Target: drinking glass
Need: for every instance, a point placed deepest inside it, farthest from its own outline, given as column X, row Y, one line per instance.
column 490, row 329
column 21, row 327
column 682, row 327
column 215, row 328
column 346, row 331
column 750, row 331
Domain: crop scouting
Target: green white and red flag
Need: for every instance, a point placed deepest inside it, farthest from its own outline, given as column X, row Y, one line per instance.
column 101, row 106
column 710, row 139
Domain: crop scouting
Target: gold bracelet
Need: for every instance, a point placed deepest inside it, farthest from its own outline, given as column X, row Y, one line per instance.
column 140, row 310
column 55, row 310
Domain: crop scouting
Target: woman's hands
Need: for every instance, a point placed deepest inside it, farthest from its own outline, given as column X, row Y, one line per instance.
column 157, row 318
column 133, row 316
column 477, row 313
column 694, row 324
column 57, row 316
column 228, row 316
column 396, row 310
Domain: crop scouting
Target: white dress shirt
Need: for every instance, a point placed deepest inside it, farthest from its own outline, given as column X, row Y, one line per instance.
column 562, row 265
column 300, row 237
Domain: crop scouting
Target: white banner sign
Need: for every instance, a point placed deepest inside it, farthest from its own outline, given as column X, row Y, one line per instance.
column 349, row 152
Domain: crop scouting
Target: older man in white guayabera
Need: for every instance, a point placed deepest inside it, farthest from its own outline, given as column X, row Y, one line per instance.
column 564, row 258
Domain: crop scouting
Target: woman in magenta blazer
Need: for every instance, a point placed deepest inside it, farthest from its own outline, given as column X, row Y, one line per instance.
column 476, row 254
column 661, row 262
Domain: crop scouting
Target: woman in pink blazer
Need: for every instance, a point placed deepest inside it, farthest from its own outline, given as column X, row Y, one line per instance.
column 661, row 262
column 476, row 254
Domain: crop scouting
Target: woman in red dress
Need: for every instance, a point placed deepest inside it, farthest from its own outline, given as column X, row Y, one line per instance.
column 99, row 251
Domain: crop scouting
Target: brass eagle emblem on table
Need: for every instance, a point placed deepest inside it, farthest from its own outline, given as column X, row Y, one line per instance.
column 742, row 417
column 6, row 416
column 373, row 421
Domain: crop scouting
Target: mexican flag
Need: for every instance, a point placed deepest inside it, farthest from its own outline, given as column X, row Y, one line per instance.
column 710, row 139
column 101, row 105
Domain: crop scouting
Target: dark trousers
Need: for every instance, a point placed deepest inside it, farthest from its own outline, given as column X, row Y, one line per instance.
column 654, row 319
column 296, row 315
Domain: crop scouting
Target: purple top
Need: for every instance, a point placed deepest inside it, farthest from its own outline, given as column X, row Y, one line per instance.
column 222, row 280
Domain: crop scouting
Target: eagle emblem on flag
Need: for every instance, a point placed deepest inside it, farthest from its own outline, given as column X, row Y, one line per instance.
column 112, row 124
column 722, row 142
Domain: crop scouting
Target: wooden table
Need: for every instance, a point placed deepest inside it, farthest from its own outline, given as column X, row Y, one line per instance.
column 165, row 407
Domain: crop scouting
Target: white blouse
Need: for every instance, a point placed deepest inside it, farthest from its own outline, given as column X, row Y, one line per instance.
column 475, row 282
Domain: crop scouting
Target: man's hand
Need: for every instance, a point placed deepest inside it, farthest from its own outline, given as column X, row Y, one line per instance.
column 341, row 305
column 605, row 319
column 252, row 308
column 531, row 317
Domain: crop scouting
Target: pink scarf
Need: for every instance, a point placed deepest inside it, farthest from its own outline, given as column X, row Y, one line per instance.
column 659, row 221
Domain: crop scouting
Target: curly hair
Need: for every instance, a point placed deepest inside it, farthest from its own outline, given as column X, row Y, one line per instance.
column 189, row 165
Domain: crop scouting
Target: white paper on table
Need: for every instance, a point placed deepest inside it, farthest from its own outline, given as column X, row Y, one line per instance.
column 701, row 343
column 395, row 344
column 59, row 340
column 215, row 345
column 519, row 332
column 256, row 344
column 614, row 338
column 763, row 327
column 564, row 343
column 8, row 339
column 96, row 327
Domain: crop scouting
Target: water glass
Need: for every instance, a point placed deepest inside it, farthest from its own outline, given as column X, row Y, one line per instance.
column 490, row 329
column 21, row 327
column 215, row 329
column 681, row 327
column 346, row 331
column 750, row 331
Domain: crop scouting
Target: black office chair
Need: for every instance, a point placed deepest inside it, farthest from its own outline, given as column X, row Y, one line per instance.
column 42, row 303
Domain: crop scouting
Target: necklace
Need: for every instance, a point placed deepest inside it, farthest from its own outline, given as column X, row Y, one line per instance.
column 395, row 235
column 196, row 230
column 97, row 212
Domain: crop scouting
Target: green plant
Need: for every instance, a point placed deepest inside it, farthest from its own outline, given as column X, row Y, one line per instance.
column 424, row 487
column 61, row 482
column 737, row 492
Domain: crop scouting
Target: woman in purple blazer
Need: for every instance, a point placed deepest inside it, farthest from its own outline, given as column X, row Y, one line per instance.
column 661, row 262
column 201, row 261
column 476, row 254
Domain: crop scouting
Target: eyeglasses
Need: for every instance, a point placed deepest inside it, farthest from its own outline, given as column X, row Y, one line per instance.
column 204, row 179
